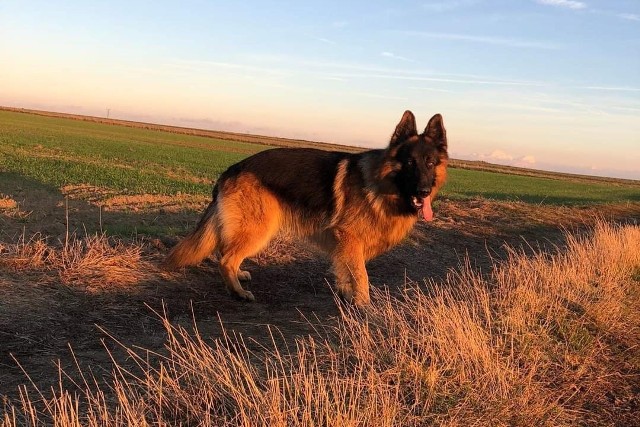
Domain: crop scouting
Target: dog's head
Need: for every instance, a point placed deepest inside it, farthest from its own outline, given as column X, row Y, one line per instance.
column 418, row 162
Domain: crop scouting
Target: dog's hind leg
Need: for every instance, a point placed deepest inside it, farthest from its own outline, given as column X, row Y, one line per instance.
column 241, row 245
column 248, row 220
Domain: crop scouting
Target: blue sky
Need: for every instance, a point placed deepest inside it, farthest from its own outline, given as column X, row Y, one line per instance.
column 550, row 84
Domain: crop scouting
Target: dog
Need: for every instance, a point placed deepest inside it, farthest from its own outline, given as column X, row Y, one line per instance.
column 352, row 206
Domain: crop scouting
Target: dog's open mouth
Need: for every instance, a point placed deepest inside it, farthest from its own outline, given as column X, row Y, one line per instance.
column 423, row 206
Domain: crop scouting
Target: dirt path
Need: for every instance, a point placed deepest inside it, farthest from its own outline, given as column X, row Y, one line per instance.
column 41, row 317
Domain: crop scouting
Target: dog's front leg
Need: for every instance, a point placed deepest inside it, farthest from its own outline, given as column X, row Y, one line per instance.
column 348, row 265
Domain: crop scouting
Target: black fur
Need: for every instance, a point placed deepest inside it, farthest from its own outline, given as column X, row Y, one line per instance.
column 312, row 170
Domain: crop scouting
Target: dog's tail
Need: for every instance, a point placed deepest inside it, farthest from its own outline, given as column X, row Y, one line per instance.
column 198, row 244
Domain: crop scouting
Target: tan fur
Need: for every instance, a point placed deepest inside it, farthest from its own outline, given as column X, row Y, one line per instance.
column 198, row 245
column 338, row 190
column 441, row 177
column 249, row 217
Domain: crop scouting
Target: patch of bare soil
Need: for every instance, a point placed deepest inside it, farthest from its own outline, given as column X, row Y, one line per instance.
column 110, row 201
column 57, row 287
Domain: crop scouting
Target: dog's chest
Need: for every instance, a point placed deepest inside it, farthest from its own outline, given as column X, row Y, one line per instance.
column 387, row 233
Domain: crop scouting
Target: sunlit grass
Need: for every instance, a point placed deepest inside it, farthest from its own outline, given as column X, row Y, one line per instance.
column 537, row 341
column 59, row 151
column 465, row 183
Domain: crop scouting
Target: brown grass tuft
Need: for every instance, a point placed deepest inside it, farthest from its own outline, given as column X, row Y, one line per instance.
column 11, row 209
column 7, row 203
column 91, row 261
column 97, row 260
column 540, row 340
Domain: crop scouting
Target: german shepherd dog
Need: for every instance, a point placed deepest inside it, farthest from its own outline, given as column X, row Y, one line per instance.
column 352, row 206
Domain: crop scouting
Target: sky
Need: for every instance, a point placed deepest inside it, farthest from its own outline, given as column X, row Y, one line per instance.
column 544, row 84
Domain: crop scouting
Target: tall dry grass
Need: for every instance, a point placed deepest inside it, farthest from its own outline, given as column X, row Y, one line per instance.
column 542, row 339
column 90, row 261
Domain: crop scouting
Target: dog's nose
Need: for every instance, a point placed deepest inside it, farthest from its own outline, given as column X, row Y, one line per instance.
column 424, row 192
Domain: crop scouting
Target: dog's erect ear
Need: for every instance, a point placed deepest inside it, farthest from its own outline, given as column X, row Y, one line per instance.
column 405, row 129
column 436, row 132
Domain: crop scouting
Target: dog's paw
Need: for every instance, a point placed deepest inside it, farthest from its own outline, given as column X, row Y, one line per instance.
column 244, row 276
column 246, row 295
column 361, row 300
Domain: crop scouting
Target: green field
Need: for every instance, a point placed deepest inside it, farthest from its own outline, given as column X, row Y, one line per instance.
column 60, row 151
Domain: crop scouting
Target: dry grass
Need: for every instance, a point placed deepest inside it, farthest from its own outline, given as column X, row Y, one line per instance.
column 91, row 261
column 7, row 203
column 539, row 340
column 11, row 209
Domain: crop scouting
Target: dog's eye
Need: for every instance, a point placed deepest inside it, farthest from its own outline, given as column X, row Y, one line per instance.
column 430, row 165
column 410, row 162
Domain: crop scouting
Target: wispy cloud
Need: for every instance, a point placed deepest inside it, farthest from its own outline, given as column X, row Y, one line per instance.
column 323, row 40
column 294, row 62
column 510, row 42
column 431, row 89
column 502, row 157
column 528, row 159
column 578, row 5
column 378, row 96
column 422, row 78
column 629, row 16
column 628, row 110
column 200, row 65
column 332, row 78
column 497, row 155
column 394, row 56
column 569, row 4
column 446, row 6
column 612, row 88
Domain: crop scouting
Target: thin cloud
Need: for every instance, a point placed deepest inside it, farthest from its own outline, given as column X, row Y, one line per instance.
column 292, row 61
column 437, row 79
column 497, row 155
column 629, row 16
column 578, row 5
column 446, row 6
column 431, row 89
column 614, row 88
column 505, row 158
column 378, row 96
column 500, row 41
column 323, row 40
column 199, row 65
column 394, row 56
column 562, row 102
column 629, row 109
column 336, row 79
column 529, row 159
column 284, row 66
column 569, row 4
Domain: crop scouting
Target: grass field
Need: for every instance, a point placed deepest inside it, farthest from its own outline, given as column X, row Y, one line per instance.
column 518, row 305
column 59, row 151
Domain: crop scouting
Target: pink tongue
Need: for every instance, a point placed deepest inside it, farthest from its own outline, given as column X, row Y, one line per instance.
column 427, row 212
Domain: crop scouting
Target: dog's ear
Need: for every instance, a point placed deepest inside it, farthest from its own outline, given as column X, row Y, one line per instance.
column 436, row 132
column 405, row 129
